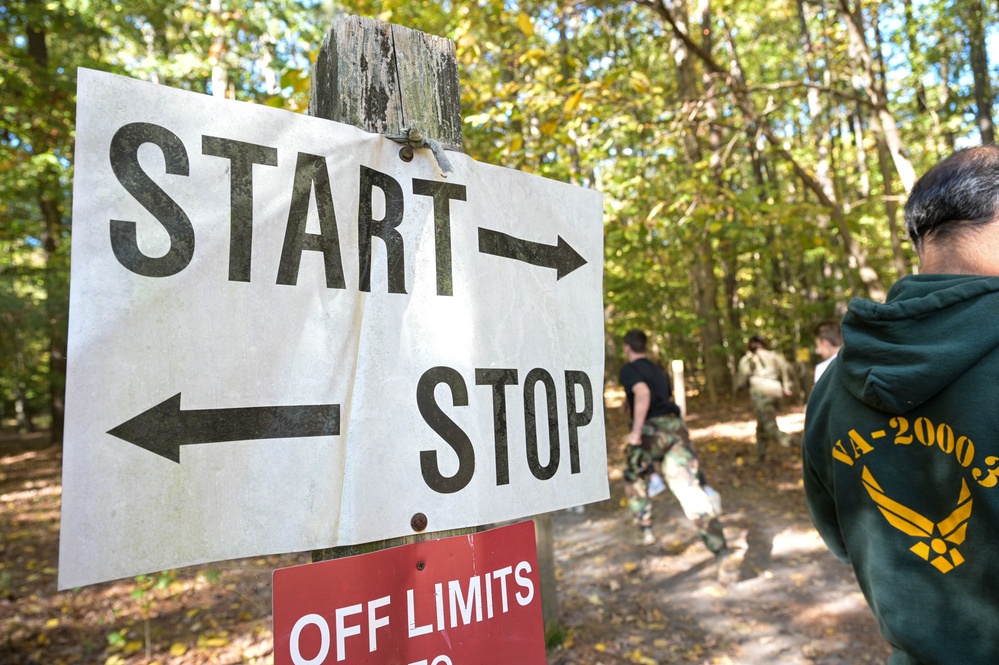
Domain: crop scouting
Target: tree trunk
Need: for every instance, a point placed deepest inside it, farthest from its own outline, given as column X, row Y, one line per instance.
column 216, row 54
column 857, row 129
column 911, row 32
column 816, row 112
column 706, row 287
column 56, row 271
column 716, row 366
column 888, row 179
column 56, row 301
column 949, row 139
column 865, row 81
column 974, row 15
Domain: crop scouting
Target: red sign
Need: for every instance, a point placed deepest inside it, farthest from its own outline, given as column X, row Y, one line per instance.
column 465, row 600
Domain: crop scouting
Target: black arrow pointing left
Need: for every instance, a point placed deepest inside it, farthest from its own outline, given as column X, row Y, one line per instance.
column 164, row 428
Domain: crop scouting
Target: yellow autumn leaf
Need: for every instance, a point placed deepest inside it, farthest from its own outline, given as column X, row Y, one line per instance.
column 516, row 143
column 639, row 82
column 115, row 660
column 178, row 649
column 549, row 127
column 573, row 101
column 600, row 646
column 532, row 56
column 216, row 642
column 52, row 623
column 656, row 209
column 637, row 657
column 525, row 24
column 132, row 647
column 594, row 599
column 630, row 567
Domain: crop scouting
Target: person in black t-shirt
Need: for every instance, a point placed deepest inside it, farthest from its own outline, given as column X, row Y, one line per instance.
column 659, row 442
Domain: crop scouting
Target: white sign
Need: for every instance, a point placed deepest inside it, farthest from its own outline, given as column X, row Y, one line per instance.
column 283, row 337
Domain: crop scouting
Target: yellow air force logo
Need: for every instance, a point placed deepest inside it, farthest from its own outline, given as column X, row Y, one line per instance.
column 933, row 537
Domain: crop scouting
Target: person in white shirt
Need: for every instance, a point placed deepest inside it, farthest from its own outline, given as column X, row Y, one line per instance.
column 828, row 342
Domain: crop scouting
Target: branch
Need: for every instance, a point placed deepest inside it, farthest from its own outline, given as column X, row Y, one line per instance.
column 659, row 7
column 790, row 85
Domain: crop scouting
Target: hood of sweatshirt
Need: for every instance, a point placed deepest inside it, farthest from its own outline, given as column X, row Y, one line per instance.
column 932, row 329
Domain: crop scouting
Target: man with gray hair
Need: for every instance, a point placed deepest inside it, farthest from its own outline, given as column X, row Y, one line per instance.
column 901, row 453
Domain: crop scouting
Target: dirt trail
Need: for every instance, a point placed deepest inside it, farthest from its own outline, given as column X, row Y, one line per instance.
column 788, row 602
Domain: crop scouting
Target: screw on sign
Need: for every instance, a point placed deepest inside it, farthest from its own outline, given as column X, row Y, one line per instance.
column 456, row 601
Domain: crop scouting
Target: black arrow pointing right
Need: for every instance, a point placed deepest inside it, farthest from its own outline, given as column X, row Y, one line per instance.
column 562, row 256
column 164, row 428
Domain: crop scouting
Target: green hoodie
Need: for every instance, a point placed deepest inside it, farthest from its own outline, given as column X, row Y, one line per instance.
column 901, row 465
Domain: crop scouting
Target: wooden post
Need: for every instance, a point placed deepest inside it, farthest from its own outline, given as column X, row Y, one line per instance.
column 388, row 79
column 679, row 391
column 385, row 79
column 546, row 572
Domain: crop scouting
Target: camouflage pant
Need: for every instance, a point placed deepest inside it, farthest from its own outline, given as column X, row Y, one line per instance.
column 765, row 409
column 666, row 448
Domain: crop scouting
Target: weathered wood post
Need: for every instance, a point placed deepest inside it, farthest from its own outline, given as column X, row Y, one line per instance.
column 390, row 80
column 387, row 79
column 679, row 391
column 546, row 572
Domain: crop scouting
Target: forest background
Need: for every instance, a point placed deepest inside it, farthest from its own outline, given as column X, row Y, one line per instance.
column 754, row 156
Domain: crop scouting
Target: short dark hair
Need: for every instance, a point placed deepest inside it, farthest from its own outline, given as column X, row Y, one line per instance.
column 756, row 342
column 636, row 339
column 829, row 331
column 960, row 192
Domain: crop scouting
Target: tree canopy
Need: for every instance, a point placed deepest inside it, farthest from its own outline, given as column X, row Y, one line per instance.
column 754, row 156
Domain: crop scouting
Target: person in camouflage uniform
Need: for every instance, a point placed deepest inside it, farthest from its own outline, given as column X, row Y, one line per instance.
column 768, row 376
column 658, row 442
